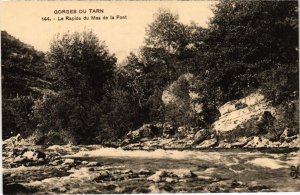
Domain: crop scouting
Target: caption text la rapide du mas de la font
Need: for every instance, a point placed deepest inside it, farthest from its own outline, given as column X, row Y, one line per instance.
column 81, row 14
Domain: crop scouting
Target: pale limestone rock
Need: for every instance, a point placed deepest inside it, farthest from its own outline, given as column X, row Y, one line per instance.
column 157, row 177
column 232, row 116
column 207, row 143
column 182, row 173
column 69, row 161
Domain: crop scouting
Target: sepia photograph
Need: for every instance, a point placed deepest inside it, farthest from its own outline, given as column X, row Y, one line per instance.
column 149, row 97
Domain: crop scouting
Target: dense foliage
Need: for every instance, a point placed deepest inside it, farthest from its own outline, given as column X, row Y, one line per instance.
column 81, row 93
column 23, row 80
column 80, row 65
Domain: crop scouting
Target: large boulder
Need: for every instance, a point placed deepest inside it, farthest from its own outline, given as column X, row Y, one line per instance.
column 201, row 135
column 29, row 158
column 248, row 116
column 209, row 143
column 158, row 176
column 145, row 131
column 34, row 155
column 16, row 141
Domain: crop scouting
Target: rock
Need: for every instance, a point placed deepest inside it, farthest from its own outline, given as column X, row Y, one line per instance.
column 157, row 177
column 16, row 141
column 110, row 187
column 171, row 175
column 56, row 162
column 255, row 186
column 103, row 176
column 292, row 142
column 238, row 119
column 10, row 154
column 84, row 162
column 141, row 190
column 183, row 173
column 145, row 131
column 236, row 184
column 127, row 171
column 154, row 189
column 40, row 155
column 166, row 188
column 134, row 135
column 221, row 186
column 20, row 159
column 29, row 155
column 200, row 136
column 145, row 172
column 34, row 155
column 126, row 141
column 240, row 142
column 69, row 161
column 287, row 133
column 261, row 142
column 92, row 164
column 208, row 143
column 207, row 178
column 170, row 180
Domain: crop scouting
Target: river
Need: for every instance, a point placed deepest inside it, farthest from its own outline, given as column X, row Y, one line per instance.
column 119, row 171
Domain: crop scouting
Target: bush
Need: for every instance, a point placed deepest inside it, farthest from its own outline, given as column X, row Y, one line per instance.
column 17, row 116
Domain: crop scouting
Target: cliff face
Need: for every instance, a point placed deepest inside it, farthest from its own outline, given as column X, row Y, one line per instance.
column 236, row 115
column 22, row 68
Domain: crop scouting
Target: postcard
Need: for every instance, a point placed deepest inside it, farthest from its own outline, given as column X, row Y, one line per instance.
column 129, row 97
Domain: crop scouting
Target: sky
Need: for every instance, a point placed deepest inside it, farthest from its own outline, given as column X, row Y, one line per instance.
column 23, row 20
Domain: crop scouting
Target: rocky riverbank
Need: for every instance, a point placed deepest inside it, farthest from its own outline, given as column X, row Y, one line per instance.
column 144, row 138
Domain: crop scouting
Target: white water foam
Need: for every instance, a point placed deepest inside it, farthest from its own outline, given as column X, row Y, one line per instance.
column 156, row 154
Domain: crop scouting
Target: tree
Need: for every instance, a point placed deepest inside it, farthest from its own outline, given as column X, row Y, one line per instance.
column 80, row 65
column 170, row 45
column 252, row 31
column 81, row 62
column 23, row 81
column 120, row 113
column 244, row 40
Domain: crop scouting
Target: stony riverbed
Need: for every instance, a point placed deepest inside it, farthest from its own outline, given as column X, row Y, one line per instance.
column 96, row 169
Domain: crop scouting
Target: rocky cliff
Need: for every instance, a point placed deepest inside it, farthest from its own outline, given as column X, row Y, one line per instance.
column 250, row 122
column 246, row 114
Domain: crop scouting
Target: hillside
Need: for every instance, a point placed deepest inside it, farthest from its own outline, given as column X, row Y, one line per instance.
column 23, row 79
